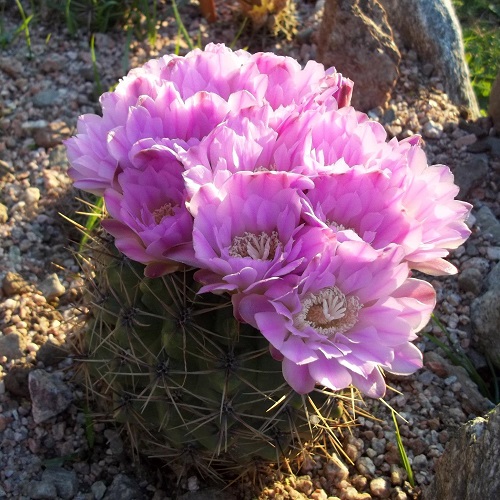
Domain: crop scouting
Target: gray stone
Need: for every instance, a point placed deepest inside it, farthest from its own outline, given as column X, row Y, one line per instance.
column 420, row 462
column 432, row 130
column 486, row 144
column 31, row 126
column 470, row 280
column 465, row 140
column 98, row 489
column 488, row 223
column 355, row 37
column 41, row 490
column 479, row 263
column 12, row 346
column 431, row 28
column 114, row 441
column 378, row 445
column 389, row 114
column 51, row 287
column 494, row 104
column 485, row 317
column 493, row 278
column 207, row 494
column 51, row 354
column 494, row 143
column 16, row 380
column 365, row 466
column 65, row 481
column 124, row 488
column 336, row 470
column 469, row 468
column 470, row 174
column 49, row 395
column 493, row 253
column 45, row 98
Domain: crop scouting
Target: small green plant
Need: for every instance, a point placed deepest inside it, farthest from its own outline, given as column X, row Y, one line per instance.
column 181, row 27
column 97, row 78
column 402, row 451
column 480, row 21
column 25, row 27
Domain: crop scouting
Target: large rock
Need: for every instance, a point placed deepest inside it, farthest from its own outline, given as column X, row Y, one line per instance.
column 488, row 224
column 469, row 174
column 494, row 104
column 356, row 38
column 432, row 29
column 485, row 317
column 49, row 395
column 469, row 468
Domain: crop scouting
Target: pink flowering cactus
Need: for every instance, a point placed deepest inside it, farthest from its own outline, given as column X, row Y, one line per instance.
column 259, row 175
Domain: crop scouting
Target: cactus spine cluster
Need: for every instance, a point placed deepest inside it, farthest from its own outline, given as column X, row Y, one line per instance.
column 278, row 16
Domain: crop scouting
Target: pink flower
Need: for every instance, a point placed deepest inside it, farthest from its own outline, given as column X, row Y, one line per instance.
column 288, row 83
column 361, row 203
column 150, row 221
column 176, row 101
column 247, row 142
column 428, row 198
column 250, row 230
column 353, row 312
column 417, row 200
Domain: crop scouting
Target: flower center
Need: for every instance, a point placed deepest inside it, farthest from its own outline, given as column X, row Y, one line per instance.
column 257, row 246
column 328, row 311
column 269, row 168
column 335, row 225
column 166, row 210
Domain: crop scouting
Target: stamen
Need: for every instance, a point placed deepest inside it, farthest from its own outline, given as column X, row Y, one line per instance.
column 328, row 311
column 258, row 247
column 166, row 210
column 270, row 168
column 335, row 225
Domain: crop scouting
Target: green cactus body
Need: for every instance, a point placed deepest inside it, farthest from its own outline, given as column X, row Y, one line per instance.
column 191, row 384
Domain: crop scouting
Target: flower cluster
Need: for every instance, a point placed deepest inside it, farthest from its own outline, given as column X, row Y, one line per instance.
column 259, row 174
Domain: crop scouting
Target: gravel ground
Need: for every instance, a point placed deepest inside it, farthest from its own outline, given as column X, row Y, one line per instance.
column 44, row 449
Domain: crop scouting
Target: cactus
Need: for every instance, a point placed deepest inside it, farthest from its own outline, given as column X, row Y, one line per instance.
column 192, row 385
column 272, row 239
column 191, row 380
column 278, row 16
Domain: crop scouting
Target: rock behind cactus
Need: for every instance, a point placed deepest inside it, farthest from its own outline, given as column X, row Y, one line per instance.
column 191, row 384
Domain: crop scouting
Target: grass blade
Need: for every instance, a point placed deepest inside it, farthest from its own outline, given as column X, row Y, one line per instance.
column 402, row 452
column 97, row 78
column 181, row 26
column 25, row 27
